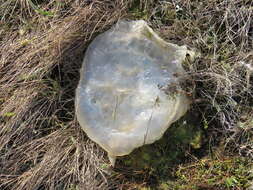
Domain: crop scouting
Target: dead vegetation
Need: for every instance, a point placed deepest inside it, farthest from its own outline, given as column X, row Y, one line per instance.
column 42, row 44
column 42, row 146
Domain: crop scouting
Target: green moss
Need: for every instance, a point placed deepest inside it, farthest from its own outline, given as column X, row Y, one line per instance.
column 165, row 13
column 196, row 140
column 72, row 187
column 222, row 173
column 164, row 186
column 159, row 158
column 9, row 114
column 162, row 162
column 170, row 149
column 137, row 12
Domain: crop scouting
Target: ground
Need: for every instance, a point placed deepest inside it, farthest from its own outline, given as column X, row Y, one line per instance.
column 42, row 44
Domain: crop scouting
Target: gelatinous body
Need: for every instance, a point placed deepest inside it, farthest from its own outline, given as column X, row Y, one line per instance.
column 128, row 90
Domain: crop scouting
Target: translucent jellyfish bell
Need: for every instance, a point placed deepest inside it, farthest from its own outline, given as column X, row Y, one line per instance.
column 128, row 93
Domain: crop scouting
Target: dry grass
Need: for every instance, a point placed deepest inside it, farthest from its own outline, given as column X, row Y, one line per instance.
column 41, row 143
column 41, row 50
column 222, row 75
column 220, row 80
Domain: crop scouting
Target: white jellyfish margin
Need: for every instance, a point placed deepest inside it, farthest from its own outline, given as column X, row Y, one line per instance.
column 129, row 88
